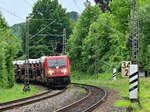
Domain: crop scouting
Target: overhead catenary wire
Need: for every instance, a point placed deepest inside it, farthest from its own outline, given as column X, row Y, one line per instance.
column 6, row 10
column 45, row 35
column 42, row 29
column 53, row 35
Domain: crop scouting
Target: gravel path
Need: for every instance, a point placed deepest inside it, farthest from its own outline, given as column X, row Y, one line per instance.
column 50, row 105
column 108, row 105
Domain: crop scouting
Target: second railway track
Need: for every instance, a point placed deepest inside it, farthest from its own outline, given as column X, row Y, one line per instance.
column 94, row 98
column 29, row 100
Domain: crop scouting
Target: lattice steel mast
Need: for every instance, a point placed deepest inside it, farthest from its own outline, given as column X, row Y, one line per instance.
column 134, row 68
column 64, row 42
column 96, row 56
column 26, row 79
column 135, row 31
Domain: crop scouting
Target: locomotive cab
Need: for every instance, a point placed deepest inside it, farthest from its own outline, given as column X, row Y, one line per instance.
column 57, row 70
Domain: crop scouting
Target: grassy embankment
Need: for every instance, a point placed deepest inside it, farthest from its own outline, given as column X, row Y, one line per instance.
column 105, row 80
column 16, row 93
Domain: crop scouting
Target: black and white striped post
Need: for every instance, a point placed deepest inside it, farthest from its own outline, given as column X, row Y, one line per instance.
column 133, row 82
column 114, row 74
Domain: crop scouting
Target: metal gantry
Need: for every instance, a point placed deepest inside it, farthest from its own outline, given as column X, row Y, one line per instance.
column 26, row 79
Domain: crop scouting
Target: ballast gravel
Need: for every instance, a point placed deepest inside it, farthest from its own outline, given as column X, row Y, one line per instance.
column 108, row 105
column 54, row 103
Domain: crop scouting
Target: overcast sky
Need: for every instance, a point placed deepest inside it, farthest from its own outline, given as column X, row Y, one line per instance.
column 15, row 11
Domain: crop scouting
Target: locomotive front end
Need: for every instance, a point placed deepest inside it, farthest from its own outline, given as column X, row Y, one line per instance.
column 58, row 71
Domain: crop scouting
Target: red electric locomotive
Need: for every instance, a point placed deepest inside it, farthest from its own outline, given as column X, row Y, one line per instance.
column 57, row 70
column 53, row 71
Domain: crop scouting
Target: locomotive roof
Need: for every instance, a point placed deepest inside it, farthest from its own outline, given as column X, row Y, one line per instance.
column 21, row 62
column 56, row 57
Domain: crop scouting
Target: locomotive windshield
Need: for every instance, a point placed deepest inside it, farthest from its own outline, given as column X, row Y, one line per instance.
column 57, row 62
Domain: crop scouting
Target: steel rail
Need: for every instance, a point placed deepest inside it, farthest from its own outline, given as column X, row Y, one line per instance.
column 22, row 102
column 92, row 107
column 74, row 103
column 98, row 103
column 27, row 98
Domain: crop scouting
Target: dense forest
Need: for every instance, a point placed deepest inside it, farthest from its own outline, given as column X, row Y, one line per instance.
column 94, row 35
column 105, row 36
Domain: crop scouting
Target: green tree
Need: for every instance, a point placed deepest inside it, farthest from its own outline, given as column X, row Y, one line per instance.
column 144, row 51
column 98, row 44
column 109, row 30
column 9, row 46
column 11, row 52
column 3, row 70
column 80, row 31
column 47, row 12
column 121, row 11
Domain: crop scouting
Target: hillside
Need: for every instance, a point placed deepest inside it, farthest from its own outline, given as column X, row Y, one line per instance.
column 17, row 29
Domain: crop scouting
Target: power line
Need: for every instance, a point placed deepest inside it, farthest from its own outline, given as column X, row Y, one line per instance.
column 53, row 35
column 42, row 29
column 38, row 41
column 27, row 2
column 45, row 35
column 6, row 10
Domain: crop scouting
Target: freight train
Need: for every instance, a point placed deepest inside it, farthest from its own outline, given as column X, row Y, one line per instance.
column 53, row 71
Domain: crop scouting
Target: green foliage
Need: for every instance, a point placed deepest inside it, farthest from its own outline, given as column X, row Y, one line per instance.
column 98, row 40
column 123, row 103
column 122, row 85
column 16, row 93
column 107, row 76
column 3, row 70
column 10, row 67
column 121, row 11
column 102, row 36
column 46, row 12
column 42, row 49
column 143, row 2
column 144, row 53
column 3, row 24
column 9, row 47
column 80, row 31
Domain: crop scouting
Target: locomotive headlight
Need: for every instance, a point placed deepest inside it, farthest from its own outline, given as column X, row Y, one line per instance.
column 51, row 72
column 64, row 71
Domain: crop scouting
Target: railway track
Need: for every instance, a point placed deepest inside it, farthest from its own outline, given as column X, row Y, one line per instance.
column 94, row 98
column 29, row 100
